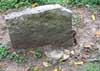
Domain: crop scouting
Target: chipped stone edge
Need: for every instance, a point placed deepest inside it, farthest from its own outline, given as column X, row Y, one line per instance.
column 36, row 10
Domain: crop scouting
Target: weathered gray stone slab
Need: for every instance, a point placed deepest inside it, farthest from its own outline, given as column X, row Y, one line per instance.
column 43, row 25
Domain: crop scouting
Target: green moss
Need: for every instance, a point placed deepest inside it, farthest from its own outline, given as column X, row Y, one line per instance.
column 91, row 67
column 3, row 51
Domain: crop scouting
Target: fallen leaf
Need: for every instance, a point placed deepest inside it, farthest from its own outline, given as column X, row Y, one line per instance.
column 67, row 51
column 71, row 62
column 46, row 64
column 79, row 63
column 31, row 52
column 87, row 46
column 36, row 68
column 56, row 69
column 97, row 33
column 34, row 5
column 2, row 64
column 65, row 56
column 93, row 17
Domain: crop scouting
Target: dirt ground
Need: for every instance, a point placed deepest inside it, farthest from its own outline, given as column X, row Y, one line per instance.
column 85, row 35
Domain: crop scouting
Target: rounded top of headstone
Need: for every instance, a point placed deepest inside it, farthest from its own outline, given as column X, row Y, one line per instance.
column 36, row 10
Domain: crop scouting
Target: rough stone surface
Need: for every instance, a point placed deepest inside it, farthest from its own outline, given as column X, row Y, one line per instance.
column 43, row 25
column 56, row 54
column 4, row 35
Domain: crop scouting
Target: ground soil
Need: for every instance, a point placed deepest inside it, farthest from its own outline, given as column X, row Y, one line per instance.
column 85, row 34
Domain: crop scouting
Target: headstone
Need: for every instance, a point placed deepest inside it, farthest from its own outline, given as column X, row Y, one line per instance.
column 39, row 26
column 4, row 36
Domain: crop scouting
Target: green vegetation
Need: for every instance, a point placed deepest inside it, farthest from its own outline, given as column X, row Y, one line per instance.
column 84, row 2
column 34, row 68
column 38, row 68
column 71, row 2
column 52, row 1
column 17, row 57
column 3, row 51
column 6, row 4
column 91, row 67
column 76, row 19
column 38, row 53
column 98, row 57
column 1, row 69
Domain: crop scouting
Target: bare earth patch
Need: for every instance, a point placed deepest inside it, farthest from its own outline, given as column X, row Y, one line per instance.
column 85, row 37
